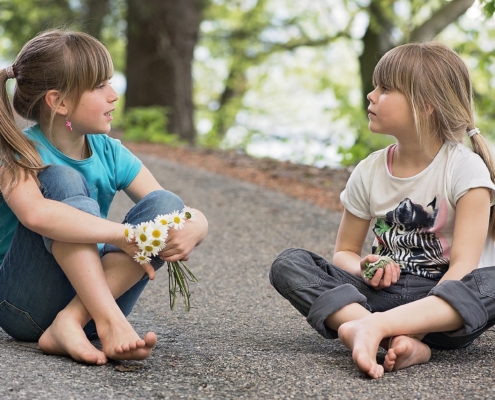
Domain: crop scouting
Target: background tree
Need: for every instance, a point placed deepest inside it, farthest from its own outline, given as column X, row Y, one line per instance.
column 161, row 39
column 245, row 37
column 225, row 53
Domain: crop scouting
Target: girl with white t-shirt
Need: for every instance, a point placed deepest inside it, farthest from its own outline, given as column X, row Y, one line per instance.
column 428, row 200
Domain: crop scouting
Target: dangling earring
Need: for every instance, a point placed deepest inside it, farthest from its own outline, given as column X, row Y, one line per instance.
column 68, row 124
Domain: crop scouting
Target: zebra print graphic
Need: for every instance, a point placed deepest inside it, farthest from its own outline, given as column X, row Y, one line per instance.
column 404, row 236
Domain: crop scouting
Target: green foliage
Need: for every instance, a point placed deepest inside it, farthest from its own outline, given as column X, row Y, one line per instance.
column 21, row 20
column 242, row 41
column 148, row 124
column 488, row 7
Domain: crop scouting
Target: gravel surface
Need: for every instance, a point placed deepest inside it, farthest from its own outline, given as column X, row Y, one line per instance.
column 241, row 340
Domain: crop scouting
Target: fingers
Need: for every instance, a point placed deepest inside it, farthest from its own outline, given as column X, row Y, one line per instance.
column 385, row 277
column 150, row 271
column 376, row 281
column 175, row 252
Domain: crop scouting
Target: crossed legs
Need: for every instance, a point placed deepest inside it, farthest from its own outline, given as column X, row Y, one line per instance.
column 363, row 336
column 97, row 285
column 338, row 304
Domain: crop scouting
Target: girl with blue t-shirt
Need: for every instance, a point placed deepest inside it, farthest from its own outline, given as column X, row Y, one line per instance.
column 428, row 199
column 67, row 274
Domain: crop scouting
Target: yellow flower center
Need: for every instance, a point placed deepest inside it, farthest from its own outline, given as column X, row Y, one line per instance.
column 156, row 233
column 126, row 232
column 143, row 237
column 156, row 243
column 177, row 220
column 148, row 248
column 163, row 222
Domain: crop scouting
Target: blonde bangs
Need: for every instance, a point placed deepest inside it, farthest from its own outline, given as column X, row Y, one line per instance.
column 89, row 64
column 398, row 68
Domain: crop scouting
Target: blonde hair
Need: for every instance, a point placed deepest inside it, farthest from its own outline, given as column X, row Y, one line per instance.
column 67, row 61
column 437, row 85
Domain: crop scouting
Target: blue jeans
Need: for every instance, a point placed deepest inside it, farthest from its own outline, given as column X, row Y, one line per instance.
column 317, row 289
column 33, row 287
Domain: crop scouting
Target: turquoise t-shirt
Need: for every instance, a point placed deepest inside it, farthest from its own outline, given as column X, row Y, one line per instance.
column 111, row 168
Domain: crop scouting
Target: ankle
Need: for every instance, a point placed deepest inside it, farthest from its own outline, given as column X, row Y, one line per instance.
column 81, row 318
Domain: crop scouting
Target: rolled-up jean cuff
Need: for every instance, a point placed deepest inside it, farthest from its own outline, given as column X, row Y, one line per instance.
column 83, row 203
column 329, row 302
column 465, row 302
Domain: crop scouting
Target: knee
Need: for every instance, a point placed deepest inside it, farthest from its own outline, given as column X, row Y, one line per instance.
column 166, row 201
column 284, row 269
column 66, row 185
column 59, row 182
column 158, row 202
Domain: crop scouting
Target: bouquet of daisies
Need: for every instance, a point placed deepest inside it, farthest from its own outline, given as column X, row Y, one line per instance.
column 151, row 238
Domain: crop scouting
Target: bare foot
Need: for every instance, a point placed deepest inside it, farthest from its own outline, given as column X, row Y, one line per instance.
column 121, row 342
column 65, row 337
column 405, row 351
column 363, row 341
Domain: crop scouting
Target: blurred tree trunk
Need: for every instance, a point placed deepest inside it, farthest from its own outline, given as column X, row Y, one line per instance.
column 93, row 15
column 377, row 40
column 161, row 38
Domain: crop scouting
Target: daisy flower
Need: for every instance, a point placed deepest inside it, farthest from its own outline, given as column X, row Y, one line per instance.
column 151, row 237
column 148, row 249
column 152, row 246
column 164, row 219
column 158, row 230
column 142, row 232
column 177, row 220
column 142, row 258
column 189, row 213
column 128, row 232
column 159, row 244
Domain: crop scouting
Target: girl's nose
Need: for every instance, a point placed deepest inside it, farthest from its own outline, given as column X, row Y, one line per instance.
column 113, row 96
column 370, row 96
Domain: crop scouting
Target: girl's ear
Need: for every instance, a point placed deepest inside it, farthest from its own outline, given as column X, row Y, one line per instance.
column 429, row 109
column 52, row 100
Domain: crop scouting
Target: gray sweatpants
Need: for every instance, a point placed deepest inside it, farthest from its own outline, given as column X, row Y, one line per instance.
column 317, row 289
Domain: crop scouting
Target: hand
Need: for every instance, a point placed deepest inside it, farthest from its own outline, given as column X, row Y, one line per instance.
column 384, row 277
column 180, row 243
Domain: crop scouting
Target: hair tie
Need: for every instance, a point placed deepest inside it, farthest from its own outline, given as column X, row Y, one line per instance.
column 10, row 72
column 473, row 132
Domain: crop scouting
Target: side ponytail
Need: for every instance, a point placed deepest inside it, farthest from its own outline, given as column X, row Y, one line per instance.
column 17, row 152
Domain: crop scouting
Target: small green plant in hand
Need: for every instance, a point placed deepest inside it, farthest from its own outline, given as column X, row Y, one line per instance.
column 371, row 268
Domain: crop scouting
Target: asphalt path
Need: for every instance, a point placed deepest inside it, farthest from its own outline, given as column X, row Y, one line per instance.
column 240, row 340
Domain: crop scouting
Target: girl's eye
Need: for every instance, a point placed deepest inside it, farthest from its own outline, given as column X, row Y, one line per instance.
column 384, row 88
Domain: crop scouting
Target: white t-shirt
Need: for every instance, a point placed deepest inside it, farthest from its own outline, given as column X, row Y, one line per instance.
column 413, row 218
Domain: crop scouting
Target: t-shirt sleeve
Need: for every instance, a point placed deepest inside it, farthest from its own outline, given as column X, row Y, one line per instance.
column 127, row 166
column 471, row 172
column 355, row 197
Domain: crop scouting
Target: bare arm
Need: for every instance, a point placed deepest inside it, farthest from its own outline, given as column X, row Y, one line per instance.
column 57, row 220
column 180, row 242
column 350, row 240
column 470, row 231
